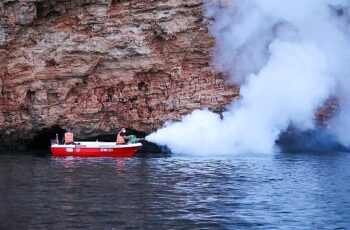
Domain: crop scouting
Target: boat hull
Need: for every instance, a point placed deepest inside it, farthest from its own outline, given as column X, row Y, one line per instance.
column 95, row 149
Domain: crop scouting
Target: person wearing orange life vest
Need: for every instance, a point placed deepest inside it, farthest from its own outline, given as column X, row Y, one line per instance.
column 121, row 138
column 68, row 137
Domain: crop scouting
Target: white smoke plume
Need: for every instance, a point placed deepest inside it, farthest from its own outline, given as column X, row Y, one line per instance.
column 288, row 56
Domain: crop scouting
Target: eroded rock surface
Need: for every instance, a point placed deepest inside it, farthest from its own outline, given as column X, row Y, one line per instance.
column 96, row 65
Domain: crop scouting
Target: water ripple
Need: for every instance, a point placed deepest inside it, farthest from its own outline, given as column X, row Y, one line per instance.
column 284, row 191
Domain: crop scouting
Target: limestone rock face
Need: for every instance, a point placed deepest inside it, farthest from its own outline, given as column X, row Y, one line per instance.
column 96, row 65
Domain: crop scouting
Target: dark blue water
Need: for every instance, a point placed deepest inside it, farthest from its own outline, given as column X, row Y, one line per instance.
column 277, row 191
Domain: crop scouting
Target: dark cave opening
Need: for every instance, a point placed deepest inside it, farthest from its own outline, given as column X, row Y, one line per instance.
column 318, row 140
column 42, row 140
column 46, row 9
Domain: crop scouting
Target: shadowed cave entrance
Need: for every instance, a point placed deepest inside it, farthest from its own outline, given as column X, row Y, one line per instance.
column 42, row 140
column 318, row 140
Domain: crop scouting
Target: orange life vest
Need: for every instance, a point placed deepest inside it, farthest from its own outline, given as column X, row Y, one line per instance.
column 120, row 139
column 68, row 137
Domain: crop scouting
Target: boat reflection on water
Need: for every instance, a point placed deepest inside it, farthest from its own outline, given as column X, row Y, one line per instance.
column 104, row 187
column 120, row 164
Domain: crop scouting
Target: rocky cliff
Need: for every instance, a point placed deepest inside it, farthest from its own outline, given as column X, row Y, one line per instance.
column 96, row 65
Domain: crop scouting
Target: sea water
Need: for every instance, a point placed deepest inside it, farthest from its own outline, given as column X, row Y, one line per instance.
column 276, row 191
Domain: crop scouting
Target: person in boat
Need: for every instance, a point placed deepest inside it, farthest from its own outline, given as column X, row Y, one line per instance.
column 121, row 137
column 68, row 138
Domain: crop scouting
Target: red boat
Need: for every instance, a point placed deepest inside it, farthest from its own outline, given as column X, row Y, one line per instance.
column 95, row 149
